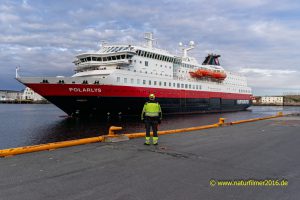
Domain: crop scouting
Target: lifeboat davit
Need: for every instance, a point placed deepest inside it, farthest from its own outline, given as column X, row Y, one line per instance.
column 219, row 75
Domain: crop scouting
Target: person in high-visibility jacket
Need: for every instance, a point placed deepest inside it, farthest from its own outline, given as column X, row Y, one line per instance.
column 152, row 115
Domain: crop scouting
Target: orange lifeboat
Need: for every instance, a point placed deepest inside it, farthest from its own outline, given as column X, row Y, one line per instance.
column 193, row 74
column 206, row 72
column 219, row 75
column 196, row 74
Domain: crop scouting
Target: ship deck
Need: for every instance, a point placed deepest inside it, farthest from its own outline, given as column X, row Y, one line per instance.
column 180, row 167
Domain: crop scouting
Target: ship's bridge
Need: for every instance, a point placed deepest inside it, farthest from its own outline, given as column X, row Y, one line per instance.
column 107, row 57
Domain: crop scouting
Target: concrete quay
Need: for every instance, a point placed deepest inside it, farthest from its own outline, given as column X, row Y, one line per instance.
column 183, row 166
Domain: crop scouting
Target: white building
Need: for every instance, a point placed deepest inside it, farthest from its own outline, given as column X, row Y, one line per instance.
column 29, row 94
column 10, row 95
column 272, row 100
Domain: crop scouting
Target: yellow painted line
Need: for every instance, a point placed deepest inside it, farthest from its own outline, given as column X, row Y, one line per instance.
column 56, row 145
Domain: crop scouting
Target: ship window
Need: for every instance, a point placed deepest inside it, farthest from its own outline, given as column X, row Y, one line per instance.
column 182, row 85
column 178, row 85
column 104, row 58
column 173, row 84
column 113, row 49
column 118, row 79
column 118, row 57
column 123, row 56
column 148, row 55
column 88, row 58
column 142, row 53
column 114, row 58
column 149, row 82
column 199, row 87
column 190, row 86
column 109, row 58
column 132, row 81
column 94, row 59
column 144, row 82
column 154, row 82
column 170, row 84
column 186, row 85
column 138, row 81
column 125, row 80
column 99, row 59
column 156, row 56
column 146, row 63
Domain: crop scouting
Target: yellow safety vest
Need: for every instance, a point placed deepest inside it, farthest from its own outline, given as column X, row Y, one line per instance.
column 151, row 109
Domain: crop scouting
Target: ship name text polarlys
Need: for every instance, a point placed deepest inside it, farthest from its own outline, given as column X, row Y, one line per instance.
column 96, row 90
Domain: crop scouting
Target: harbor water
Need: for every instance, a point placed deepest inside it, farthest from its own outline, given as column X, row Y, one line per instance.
column 30, row 124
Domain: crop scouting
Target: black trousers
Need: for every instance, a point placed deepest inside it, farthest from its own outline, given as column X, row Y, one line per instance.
column 151, row 122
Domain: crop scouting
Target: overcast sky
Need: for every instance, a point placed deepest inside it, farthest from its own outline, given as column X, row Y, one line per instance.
column 258, row 38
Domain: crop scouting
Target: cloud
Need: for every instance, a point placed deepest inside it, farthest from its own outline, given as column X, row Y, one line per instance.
column 256, row 37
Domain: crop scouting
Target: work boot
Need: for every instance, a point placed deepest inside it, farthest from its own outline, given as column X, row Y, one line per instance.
column 155, row 140
column 147, row 141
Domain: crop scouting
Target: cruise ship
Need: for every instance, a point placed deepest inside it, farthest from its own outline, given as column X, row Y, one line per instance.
column 117, row 80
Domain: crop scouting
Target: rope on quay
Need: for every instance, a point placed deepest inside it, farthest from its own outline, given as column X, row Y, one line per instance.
column 111, row 135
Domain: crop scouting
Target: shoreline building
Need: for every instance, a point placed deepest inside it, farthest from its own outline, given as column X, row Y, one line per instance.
column 10, row 95
column 272, row 100
column 29, row 94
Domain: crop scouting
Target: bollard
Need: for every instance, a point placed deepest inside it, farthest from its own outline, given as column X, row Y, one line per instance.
column 221, row 121
column 112, row 129
column 112, row 137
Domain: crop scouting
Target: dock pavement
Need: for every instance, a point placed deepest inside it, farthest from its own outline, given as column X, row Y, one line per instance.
column 192, row 165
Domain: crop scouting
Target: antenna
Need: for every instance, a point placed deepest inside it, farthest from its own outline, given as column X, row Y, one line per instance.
column 149, row 38
column 17, row 72
column 186, row 49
